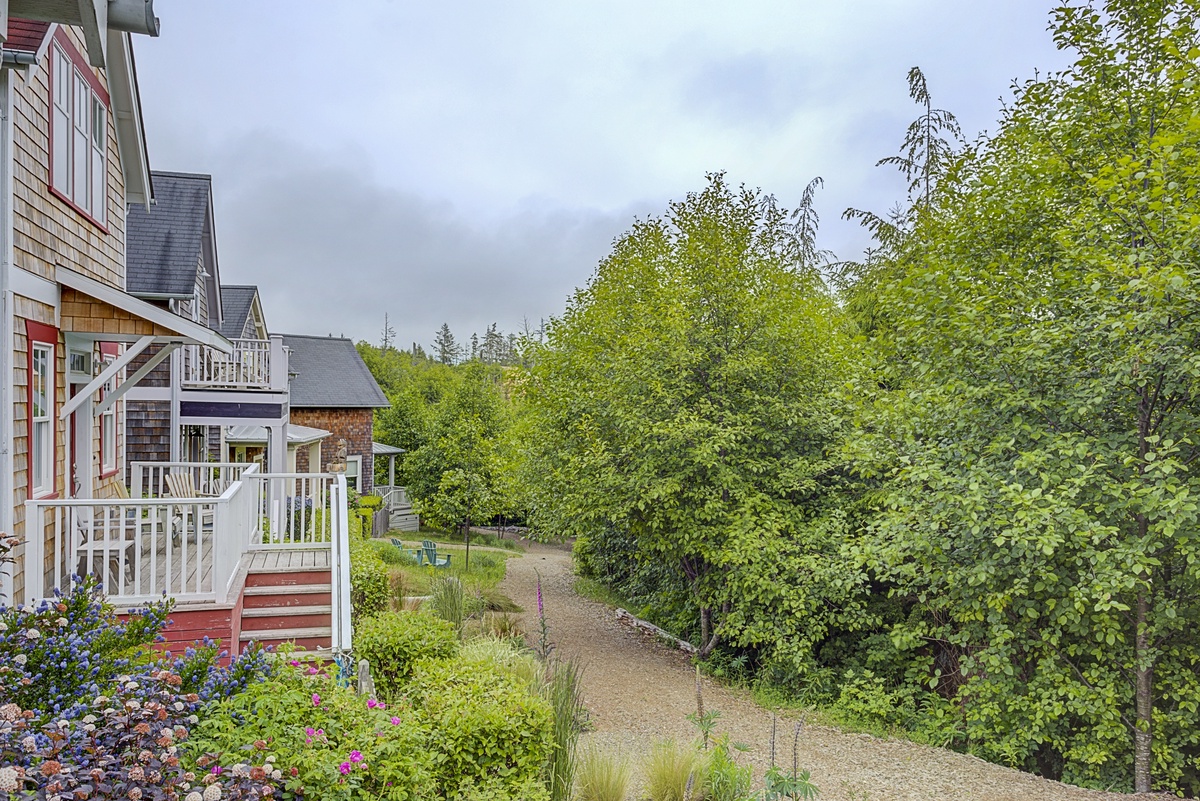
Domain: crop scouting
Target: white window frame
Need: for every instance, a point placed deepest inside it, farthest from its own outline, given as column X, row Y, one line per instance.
column 79, row 134
column 41, row 425
column 108, row 425
column 354, row 479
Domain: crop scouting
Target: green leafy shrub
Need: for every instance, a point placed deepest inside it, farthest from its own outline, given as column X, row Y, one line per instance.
column 725, row 779
column 372, row 502
column 394, row 643
column 390, row 554
column 485, row 728
column 865, row 702
column 370, row 583
column 328, row 741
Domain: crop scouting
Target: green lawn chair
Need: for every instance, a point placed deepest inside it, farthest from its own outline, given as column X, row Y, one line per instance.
column 414, row 554
column 431, row 555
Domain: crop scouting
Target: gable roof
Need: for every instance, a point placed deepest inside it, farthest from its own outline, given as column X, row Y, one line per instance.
column 25, row 35
column 164, row 244
column 329, row 373
column 236, row 302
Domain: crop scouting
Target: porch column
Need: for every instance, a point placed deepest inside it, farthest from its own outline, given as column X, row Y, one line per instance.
column 277, row 448
column 391, row 470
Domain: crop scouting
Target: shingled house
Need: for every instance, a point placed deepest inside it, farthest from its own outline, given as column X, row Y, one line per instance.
column 332, row 389
column 179, row 411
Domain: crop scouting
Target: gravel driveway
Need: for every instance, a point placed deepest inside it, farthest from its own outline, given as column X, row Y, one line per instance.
column 639, row 691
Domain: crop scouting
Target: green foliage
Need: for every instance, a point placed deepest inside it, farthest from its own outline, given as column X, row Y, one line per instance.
column 565, row 694
column 485, row 726
column 448, row 601
column 672, row 770
column 371, row 502
column 390, row 554
column 395, row 643
column 327, row 741
column 864, row 702
column 725, row 779
column 370, row 584
column 684, row 403
column 1036, row 416
column 602, row 776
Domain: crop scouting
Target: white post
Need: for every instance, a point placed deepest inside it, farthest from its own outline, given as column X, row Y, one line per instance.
column 279, row 365
column 176, row 388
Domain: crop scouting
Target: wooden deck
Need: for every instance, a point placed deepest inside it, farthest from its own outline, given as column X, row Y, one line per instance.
column 291, row 559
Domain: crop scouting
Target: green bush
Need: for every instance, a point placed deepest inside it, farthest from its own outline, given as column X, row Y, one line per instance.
column 372, row 502
column 865, row 702
column 370, row 582
column 486, row 730
column 328, row 741
column 394, row 643
column 390, row 554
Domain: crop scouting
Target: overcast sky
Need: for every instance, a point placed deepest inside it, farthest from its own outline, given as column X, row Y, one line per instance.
column 471, row 162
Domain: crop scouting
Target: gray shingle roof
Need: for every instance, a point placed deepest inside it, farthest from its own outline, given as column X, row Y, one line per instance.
column 164, row 244
column 329, row 373
column 236, row 302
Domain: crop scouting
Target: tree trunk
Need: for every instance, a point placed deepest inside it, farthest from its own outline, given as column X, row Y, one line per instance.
column 708, row 636
column 1144, row 700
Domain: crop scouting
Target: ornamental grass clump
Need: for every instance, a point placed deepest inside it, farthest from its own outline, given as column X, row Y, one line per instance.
column 673, row 772
column 602, row 776
column 565, row 694
column 448, row 601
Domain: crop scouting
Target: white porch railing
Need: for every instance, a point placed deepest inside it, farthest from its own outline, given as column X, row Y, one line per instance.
column 140, row 548
column 149, row 479
column 187, row 548
column 393, row 497
column 294, row 510
column 254, row 364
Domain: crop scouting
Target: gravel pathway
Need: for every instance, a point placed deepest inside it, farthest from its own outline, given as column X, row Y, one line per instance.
column 639, row 692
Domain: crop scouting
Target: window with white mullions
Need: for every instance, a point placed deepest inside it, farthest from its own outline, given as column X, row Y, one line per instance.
column 41, row 411
column 79, row 131
column 108, row 428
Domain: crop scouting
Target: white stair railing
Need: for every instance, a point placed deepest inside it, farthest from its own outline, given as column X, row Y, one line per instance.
column 340, row 562
column 293, row 511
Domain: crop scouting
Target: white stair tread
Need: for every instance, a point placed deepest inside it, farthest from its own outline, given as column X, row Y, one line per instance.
column 288, row 589
column 287, row 611
column 287, row 634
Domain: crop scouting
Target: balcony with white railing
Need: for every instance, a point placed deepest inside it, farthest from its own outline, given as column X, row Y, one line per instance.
column 185, row 533
column 254, row 365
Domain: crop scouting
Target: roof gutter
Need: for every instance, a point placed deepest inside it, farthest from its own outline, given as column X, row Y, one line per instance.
column 162, row 295
column 19, row 58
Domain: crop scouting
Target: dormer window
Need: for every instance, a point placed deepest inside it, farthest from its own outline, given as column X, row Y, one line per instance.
column 78, row 132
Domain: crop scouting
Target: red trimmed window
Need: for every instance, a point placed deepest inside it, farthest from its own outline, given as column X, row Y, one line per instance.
column 108, row 418
column 78, row 131
column 43, row 345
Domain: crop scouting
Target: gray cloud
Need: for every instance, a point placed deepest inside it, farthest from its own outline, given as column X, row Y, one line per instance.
column 332, row 249
column 471, row 162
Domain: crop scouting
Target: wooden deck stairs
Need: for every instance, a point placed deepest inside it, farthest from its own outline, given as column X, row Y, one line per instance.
column 288, row 598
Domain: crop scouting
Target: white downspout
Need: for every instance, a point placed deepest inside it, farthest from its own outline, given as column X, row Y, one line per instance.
column 7, row 326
